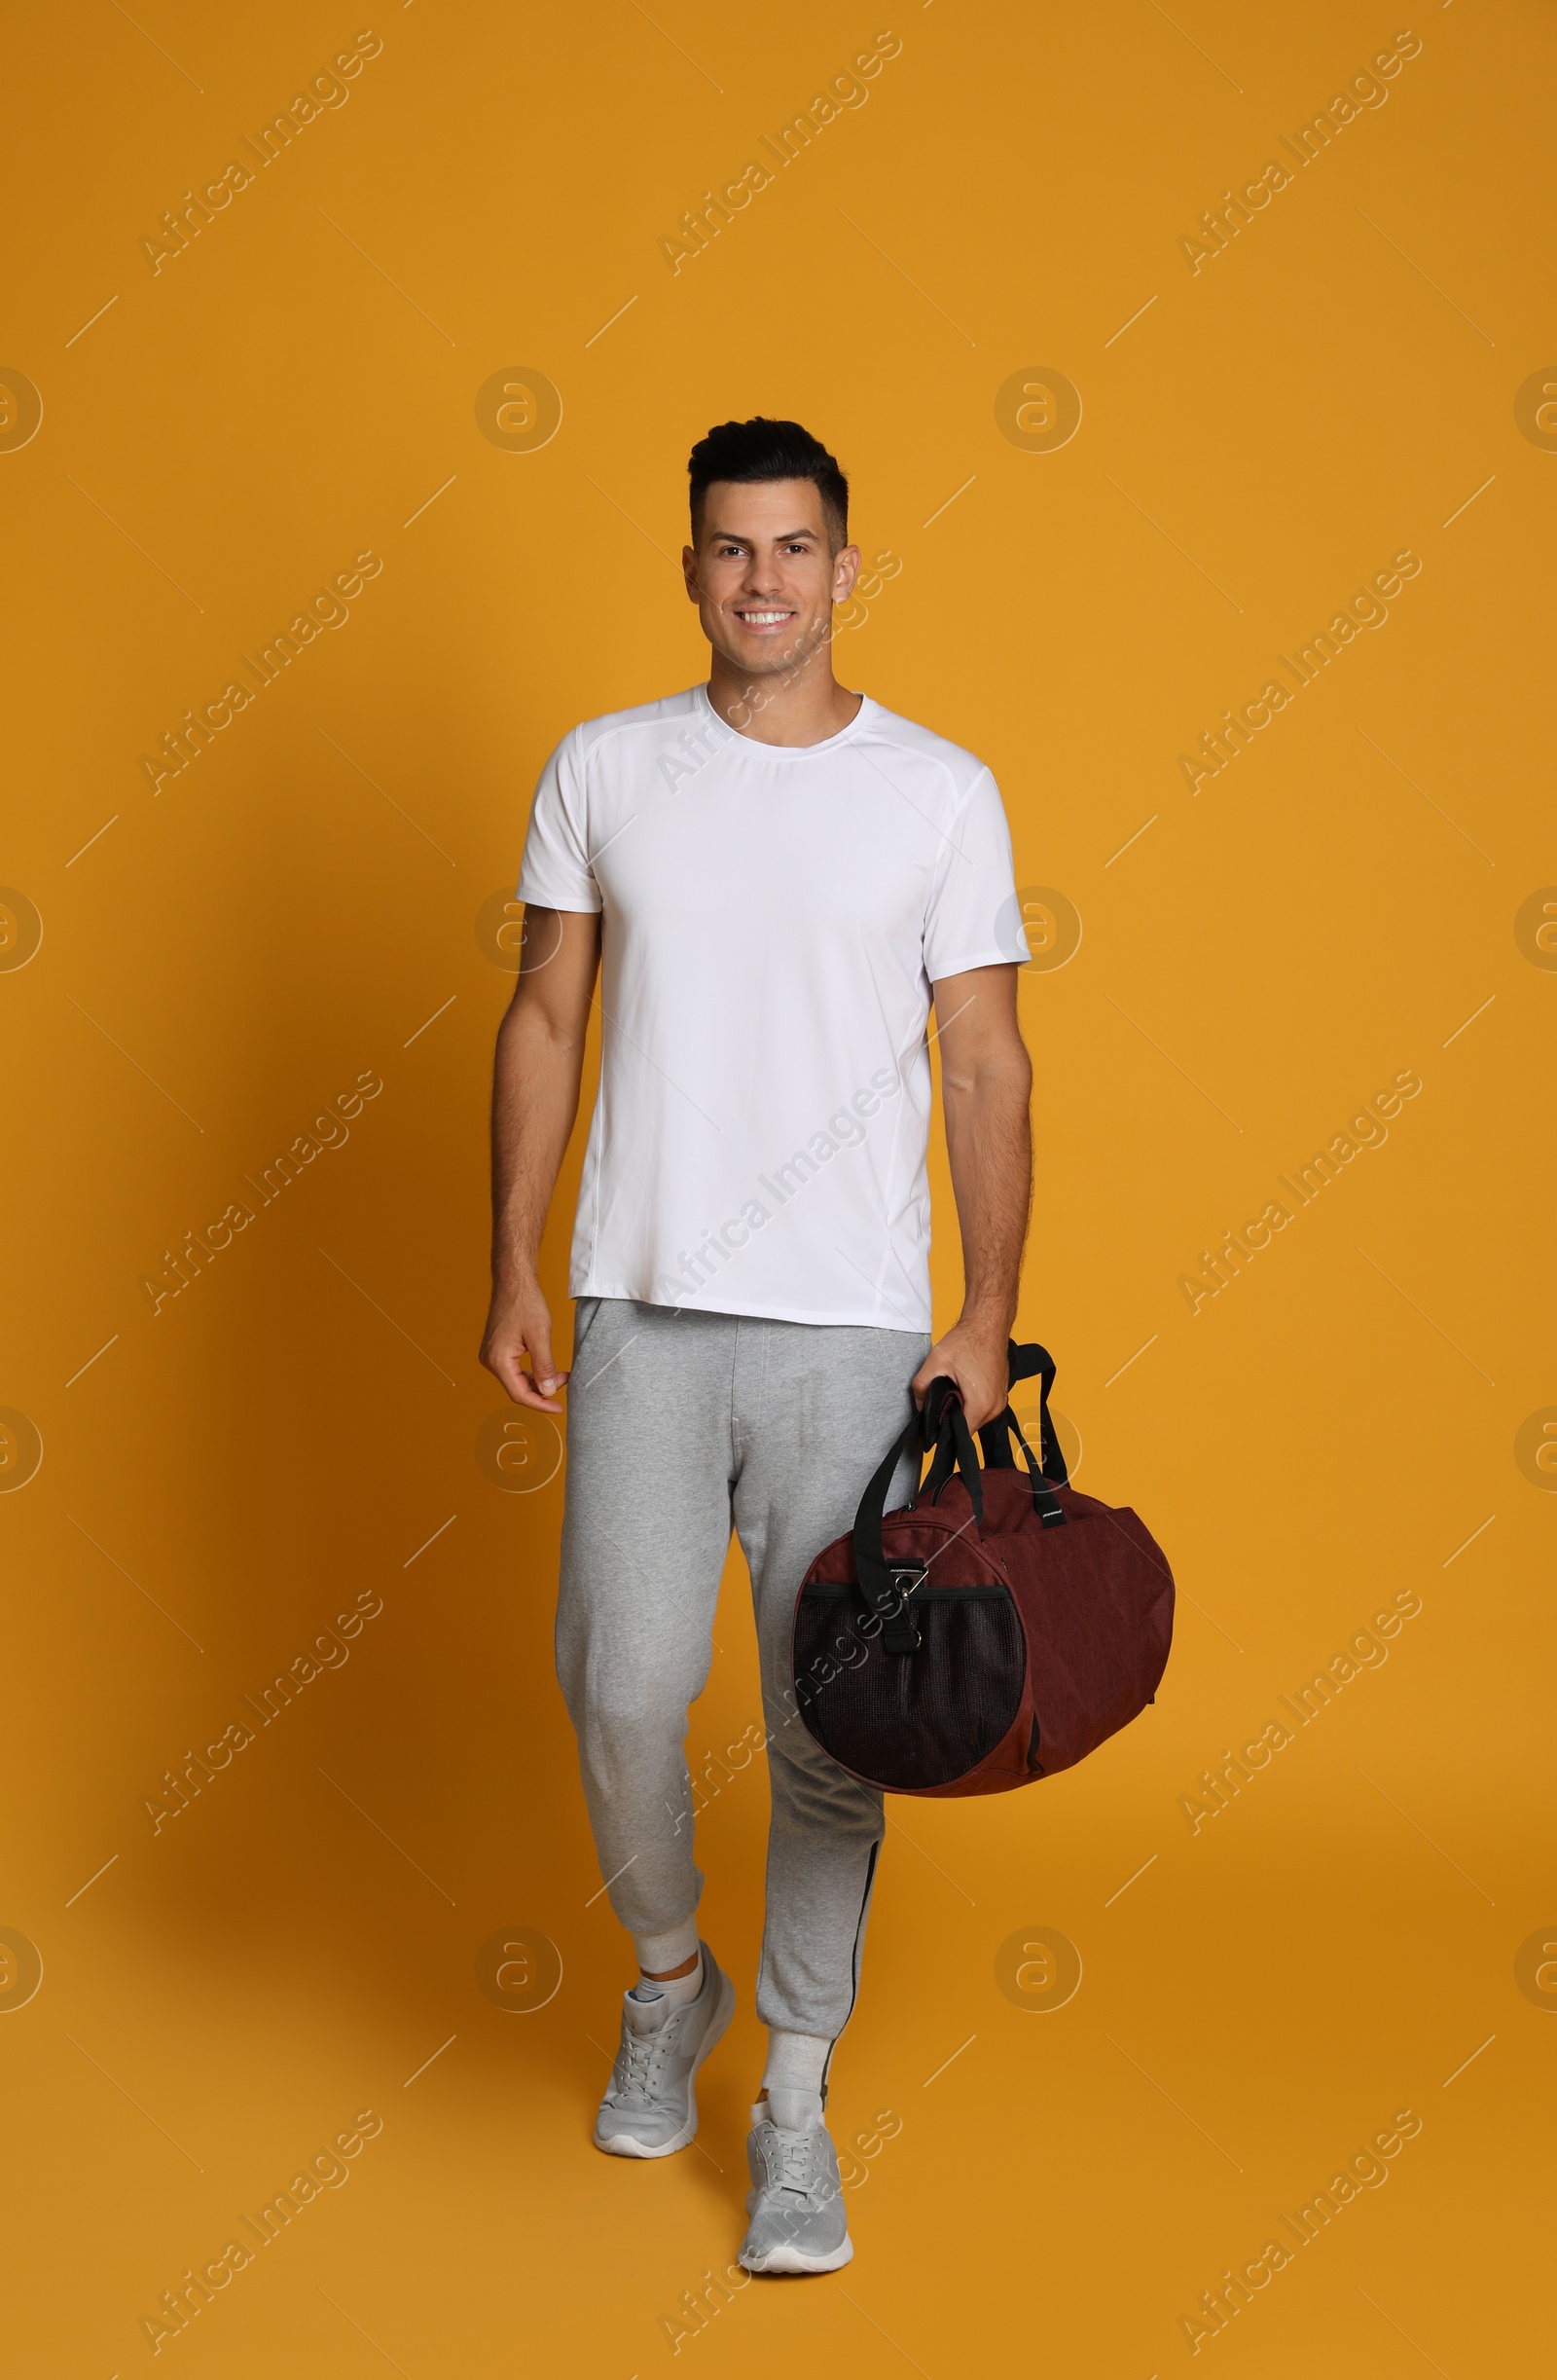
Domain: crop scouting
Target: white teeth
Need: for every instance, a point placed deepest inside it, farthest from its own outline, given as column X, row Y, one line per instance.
column 763, row 619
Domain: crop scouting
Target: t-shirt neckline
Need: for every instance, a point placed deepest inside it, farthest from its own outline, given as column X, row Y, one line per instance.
column 789, row 751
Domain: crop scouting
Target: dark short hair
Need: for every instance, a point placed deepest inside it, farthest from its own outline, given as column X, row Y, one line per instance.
column 761, row 450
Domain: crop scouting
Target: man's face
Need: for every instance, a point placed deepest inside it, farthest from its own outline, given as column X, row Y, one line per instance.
column 762, row 575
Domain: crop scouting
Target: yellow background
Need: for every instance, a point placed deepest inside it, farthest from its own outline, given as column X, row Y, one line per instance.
column 299, row 386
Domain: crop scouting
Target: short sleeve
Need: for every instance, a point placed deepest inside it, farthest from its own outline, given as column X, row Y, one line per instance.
column 974, row 918
column 556, row 873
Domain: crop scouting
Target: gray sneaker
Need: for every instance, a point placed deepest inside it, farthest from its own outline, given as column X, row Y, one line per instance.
column 796, row 2202
column 650, row 2110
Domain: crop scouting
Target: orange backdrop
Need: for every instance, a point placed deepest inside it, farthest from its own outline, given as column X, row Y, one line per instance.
column 343, row 470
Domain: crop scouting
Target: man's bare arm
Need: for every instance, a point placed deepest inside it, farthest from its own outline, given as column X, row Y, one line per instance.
column 986, row 1086
column 535, row 1084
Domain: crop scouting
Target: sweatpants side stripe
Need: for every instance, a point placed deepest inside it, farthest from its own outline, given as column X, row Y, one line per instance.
column 859, row 1931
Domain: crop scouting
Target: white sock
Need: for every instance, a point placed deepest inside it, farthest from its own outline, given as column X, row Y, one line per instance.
column 656, row 1951
column 790, row 2109
column 674, row 1990
column 796, row 2062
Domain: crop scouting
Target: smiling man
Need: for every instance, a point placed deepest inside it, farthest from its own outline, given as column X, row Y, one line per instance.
column 776, row 879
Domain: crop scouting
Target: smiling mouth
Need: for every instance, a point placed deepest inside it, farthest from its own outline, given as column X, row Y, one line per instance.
column 764, row 623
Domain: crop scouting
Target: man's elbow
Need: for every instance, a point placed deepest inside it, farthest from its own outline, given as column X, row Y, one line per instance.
column 1001, row 1070
column 1004, row 1072
column 544, row 1027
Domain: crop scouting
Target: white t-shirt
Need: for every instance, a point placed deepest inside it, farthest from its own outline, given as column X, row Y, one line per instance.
column 775, row 916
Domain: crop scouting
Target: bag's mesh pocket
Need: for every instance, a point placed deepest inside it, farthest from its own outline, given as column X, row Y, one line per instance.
column 910, row 1720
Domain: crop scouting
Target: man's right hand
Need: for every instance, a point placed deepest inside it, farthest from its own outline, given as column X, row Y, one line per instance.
column 519, row 1324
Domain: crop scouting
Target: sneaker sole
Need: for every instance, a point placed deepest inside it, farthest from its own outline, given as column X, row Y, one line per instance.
column 623, row 2143
column 791, row 2260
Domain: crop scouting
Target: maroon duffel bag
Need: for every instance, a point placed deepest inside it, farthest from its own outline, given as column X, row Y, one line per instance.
column 994, row 1630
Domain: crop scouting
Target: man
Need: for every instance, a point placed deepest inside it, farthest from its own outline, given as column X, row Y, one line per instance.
column 776, row 878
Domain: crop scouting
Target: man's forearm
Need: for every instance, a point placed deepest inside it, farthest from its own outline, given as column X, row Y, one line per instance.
column 535, row 1087
column 986, row 1085
column 989, row 1140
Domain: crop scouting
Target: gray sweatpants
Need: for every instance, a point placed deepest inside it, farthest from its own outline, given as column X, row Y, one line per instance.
column 680, row 1424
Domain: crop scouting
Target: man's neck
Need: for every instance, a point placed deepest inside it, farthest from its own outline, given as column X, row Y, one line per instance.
column 797, row 705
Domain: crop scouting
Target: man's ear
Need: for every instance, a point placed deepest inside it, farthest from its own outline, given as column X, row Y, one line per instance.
column 689, row 572
column 846, row 570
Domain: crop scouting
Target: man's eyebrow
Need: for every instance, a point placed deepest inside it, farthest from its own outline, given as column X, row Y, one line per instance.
column 788, row 536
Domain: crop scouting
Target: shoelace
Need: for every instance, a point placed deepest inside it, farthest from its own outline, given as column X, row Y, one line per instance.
column 793, row 2161
column 637, row 2061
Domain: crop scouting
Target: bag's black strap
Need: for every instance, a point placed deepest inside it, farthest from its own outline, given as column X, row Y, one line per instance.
column 940, row 1428
column 953, row 1448
column 940, row 1425
column 994, row 1438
